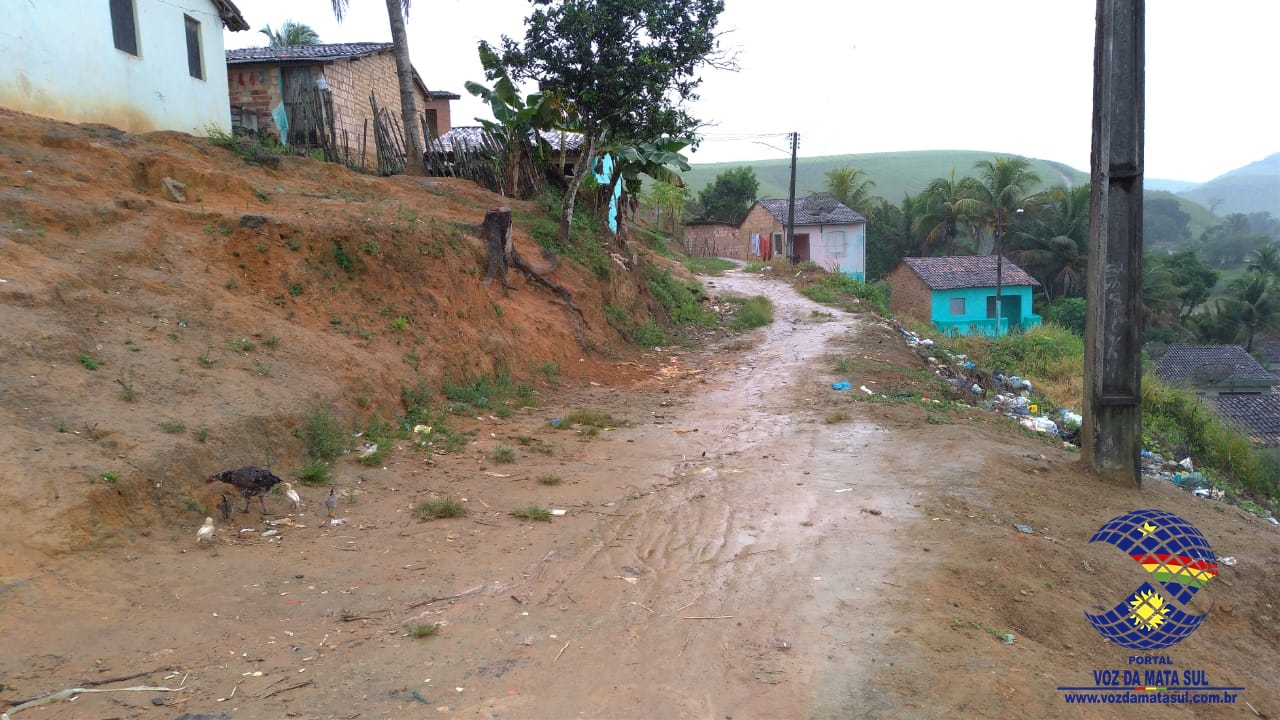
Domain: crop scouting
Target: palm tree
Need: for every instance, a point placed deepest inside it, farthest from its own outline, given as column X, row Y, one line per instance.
column 1265, row 259
column 290, row 33
column 1056, row 240
column 1003, row 186
column 853, row 189
column 945, row 205
column 1256, row 298
column 397, row 10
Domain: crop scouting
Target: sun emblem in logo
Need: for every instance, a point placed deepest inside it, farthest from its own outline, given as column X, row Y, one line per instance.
column 1148, row 610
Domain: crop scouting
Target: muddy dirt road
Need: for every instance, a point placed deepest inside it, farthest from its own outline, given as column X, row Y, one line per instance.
column 750, row 544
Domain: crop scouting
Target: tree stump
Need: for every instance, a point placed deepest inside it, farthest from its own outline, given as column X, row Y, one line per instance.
column 496, row 231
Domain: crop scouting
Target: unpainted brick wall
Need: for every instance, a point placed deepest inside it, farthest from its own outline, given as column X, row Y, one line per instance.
column 909, row 295
column 713, row 240
column 758, row 220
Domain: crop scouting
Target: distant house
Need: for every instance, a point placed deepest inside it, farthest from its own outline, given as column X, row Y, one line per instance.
column 958, row 294
column 826, row 233
column 1213, row 369
column 139, row 65
column 1269, row 355
column 276, row 91
column 1258, row 416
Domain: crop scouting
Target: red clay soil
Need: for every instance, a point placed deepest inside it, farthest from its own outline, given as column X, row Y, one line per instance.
column 743, row 542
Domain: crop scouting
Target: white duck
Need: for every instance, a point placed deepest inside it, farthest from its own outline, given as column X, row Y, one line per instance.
column 206, row 531
column 292, row 494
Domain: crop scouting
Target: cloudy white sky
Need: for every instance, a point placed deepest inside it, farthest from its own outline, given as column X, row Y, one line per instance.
column 1010, row 76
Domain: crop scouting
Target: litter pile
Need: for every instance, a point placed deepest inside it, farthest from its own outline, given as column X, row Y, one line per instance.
column 998, row 392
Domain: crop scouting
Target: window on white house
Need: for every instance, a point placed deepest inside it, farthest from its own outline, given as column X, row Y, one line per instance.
column 957, row 306
column 835, row 243
column 124, row 28
column 195, row 58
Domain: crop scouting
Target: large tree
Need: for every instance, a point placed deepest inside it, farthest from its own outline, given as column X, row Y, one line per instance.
column 290, row 33
column 625, row 65
column 397, row 11
column 729, row 196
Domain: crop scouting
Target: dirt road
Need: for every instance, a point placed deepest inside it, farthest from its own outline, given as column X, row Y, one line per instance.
column 750, row 544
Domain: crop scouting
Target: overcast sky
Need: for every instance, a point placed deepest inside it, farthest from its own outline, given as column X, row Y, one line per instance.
column 1011, row 76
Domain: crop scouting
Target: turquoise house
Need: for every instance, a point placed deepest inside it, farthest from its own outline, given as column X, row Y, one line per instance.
column 957, row 294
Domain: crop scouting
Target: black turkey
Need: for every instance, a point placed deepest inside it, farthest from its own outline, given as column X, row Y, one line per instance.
column 251, row 481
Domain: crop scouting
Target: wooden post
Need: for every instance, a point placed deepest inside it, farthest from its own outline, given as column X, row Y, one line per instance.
column 1111, row 433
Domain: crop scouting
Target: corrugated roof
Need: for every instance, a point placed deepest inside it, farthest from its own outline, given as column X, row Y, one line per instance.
column 813, row 210
column 1256, row 415
column 1217, row 365
column 469, row 137
column 967, row 271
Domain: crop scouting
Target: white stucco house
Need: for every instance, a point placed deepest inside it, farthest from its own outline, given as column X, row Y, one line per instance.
column 139, row 65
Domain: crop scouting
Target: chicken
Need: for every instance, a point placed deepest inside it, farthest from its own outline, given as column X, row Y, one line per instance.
column 224, row 507
column 206, row 531
column 250, row 481
column 331, row 502
column 292, row 494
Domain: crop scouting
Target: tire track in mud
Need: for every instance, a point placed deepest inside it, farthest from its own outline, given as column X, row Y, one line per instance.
column 749, row 584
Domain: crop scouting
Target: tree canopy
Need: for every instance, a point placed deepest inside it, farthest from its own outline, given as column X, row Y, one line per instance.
column 729, row 196
column 626, row 66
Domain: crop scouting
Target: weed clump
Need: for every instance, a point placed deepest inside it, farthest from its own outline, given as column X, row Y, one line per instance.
column 448, row 507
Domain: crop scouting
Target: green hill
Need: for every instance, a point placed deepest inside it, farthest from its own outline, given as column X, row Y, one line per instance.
column 1252, row 188
column 895, row 174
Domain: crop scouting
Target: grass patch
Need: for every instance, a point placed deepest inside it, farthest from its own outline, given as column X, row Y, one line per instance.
column 90, row 362
column 503, row 455
column 591, row 419
column 752, row 312
column 173, row 426
column 682, row 302
column 422, row 630
column 497, row 393
column 449, row 507
column 315, row 472
column 533, row 512
column 840, row 290
column 549, row 480
column 418, row 412
column 708, row 265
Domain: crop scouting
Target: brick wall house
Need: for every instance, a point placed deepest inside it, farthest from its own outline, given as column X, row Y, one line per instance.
column 712, row 239
column 273, row 88
column 767, row 231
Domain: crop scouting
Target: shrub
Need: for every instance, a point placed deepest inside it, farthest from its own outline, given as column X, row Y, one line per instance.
column 682, row 303
column 324, row 438
column 1069, row 312
column 316, row 472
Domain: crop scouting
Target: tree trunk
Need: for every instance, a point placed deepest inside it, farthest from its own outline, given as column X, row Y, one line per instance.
column 580, row 169
column 404, row 73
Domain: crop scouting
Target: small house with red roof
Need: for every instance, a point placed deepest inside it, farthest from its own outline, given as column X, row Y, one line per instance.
column 957, row 294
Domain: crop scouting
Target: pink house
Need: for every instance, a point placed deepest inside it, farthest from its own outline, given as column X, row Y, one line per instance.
column 827, row 233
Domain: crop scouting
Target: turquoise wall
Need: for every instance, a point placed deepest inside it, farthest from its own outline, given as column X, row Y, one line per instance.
column 1015, row 315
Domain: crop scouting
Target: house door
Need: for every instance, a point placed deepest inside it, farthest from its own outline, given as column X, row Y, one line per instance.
column 300, row 106
column 764, row 247
column 800, row 248
column 1010, row 310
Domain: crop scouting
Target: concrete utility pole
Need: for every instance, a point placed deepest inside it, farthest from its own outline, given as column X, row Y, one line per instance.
column 791, row 200
column 1111, row 435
